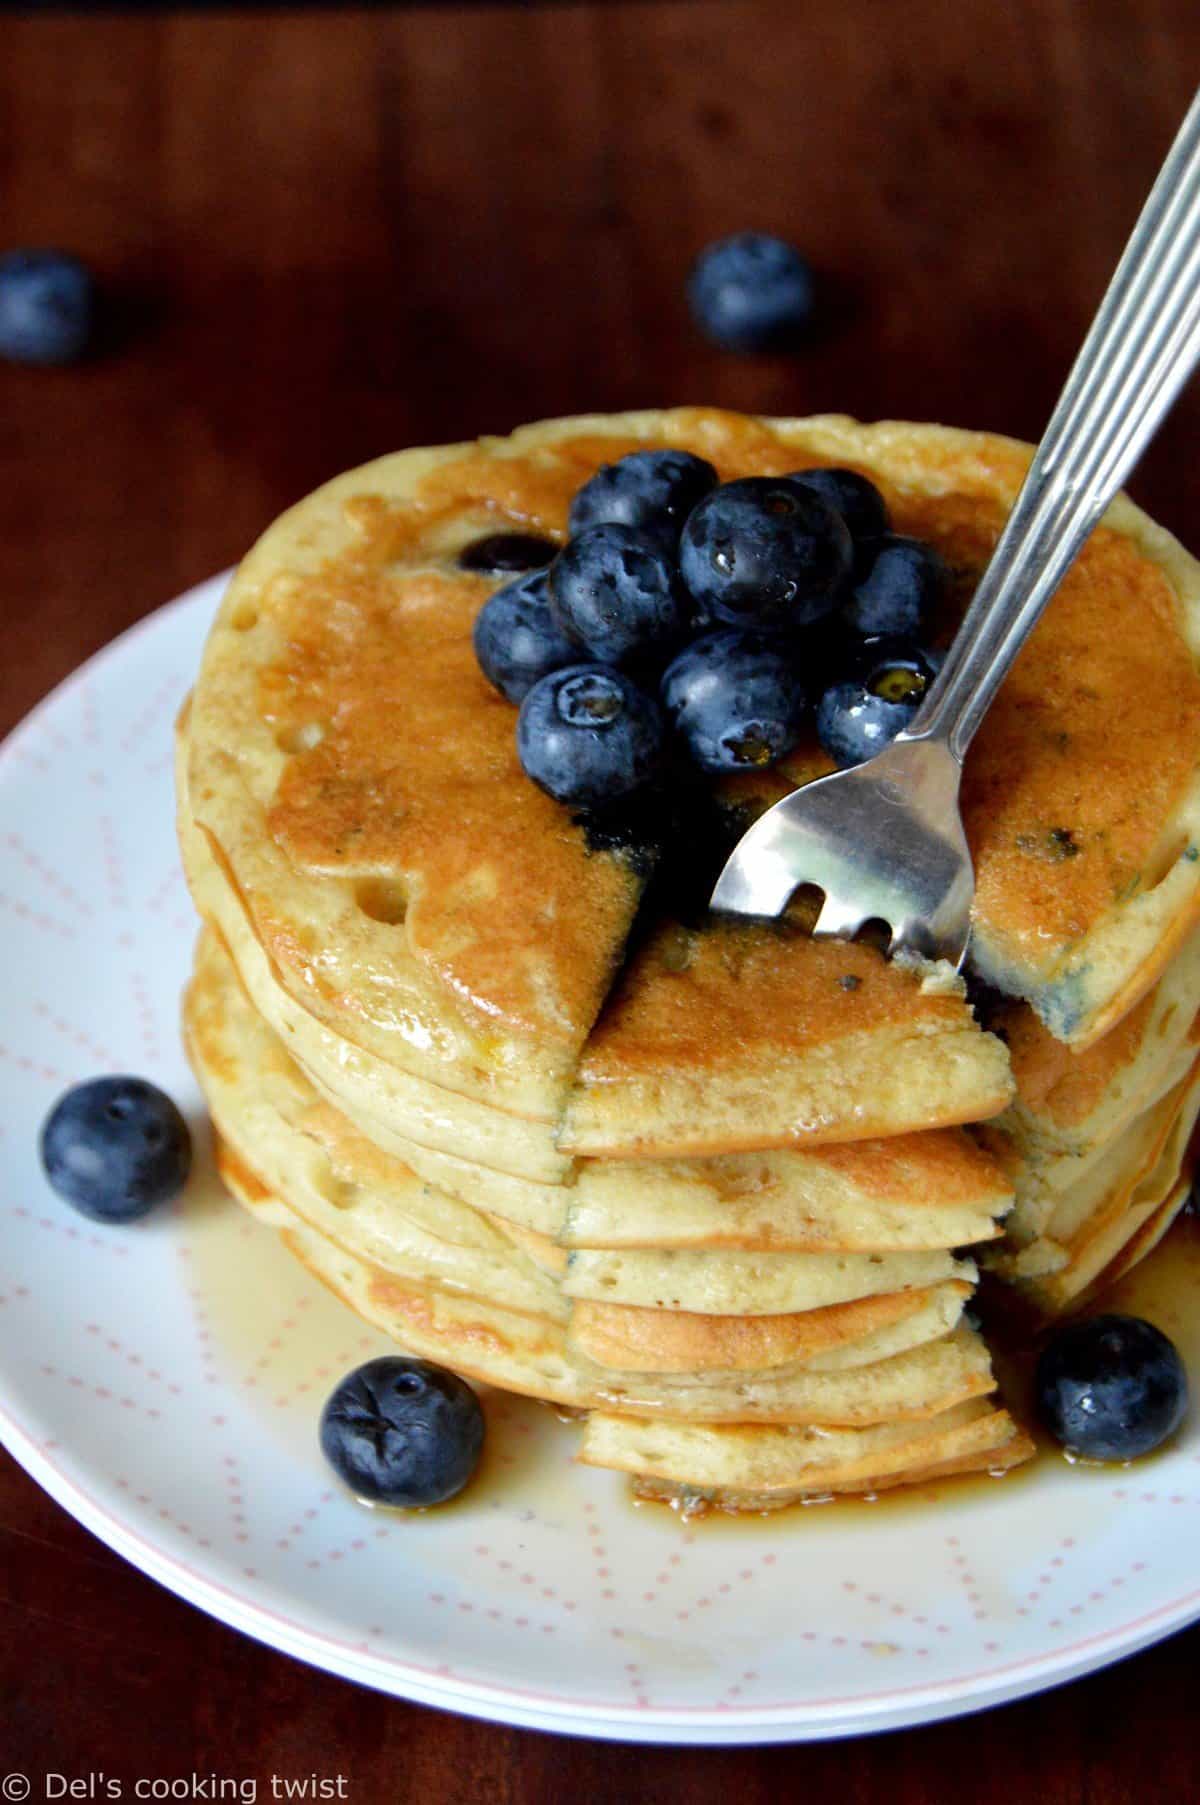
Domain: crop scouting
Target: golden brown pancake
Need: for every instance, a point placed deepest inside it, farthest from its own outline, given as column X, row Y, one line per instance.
column 744, row 1467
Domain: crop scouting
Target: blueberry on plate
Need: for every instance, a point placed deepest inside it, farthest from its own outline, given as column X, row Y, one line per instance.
column 402, row 1431
column 862, row 711
column 587, row 735
column 47, row 304
column 115, row 1148
column 899, row 589
column 653, row 490
column 1111, row 1387
column 517, row 640
column 852, row 496
column 752, row 292
column 498, row 553
column 735, row 700
column 615, row 591
column 765, row 552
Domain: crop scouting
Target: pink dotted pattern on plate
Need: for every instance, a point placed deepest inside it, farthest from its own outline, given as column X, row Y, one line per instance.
column 164, row 1382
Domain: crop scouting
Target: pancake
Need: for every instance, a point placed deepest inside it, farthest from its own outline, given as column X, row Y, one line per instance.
column 1070, row 1108
column 832, row 1339
column 1073, row 1100
column 370, row 1090
column 278, row 1137
column 771, row 1039
column 1111, row 1243
column 407, row 883
column 1085, row 1240
column 742, row 1467
column 752, row 1284
column 909, row 1192
column 333, row 1179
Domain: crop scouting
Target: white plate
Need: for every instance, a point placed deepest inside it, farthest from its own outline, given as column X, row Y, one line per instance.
column 162, row 1382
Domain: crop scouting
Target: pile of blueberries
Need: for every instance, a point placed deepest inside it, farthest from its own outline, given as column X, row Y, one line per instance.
column 692, row 622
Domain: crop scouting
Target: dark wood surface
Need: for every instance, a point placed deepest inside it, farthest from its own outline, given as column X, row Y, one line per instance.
column 327, row 235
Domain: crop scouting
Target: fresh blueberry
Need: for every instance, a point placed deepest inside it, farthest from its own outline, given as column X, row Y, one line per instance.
column 615, row 591
column 653, row 490
column 852, row 496
column 735, row 700
column 765, row 552
column 752, row 292
column 861, row 712
column 1111, row 1387
column 499, row 553
column 116, row 1147
column 587, row 735
column 517, row 640
column 899, row 589
column 47, row 302
column 402, row 1431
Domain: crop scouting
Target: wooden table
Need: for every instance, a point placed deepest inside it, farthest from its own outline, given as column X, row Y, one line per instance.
column 328, row 235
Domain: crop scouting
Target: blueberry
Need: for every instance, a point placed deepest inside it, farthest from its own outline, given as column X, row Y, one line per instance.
column 653, row 490
column 862, row 711
column 517, row 640
column 735, row 700
column 500, row 552
column 900, row 589
column 1111, row 1387
column 852, row 496
column 116, row 1147
column 616, row 592
column 47, row 301
column 587, row 735
column 402, row 1431
column 765, row 552
column 752, row 292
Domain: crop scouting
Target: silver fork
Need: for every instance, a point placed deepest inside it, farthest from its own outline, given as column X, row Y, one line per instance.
column 884, row 840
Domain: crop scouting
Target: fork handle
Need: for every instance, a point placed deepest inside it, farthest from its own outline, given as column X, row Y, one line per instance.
column 1139, row 351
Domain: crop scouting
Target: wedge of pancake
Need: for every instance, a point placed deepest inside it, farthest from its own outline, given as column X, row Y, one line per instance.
column 445, row 1282
column 758, row 1038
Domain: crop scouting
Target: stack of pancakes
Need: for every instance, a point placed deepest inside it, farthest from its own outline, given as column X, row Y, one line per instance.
column 505, row 1087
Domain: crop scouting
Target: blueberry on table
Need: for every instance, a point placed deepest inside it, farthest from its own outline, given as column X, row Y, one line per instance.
column 115, row 1148
column 735, row 700
column 898, row 590
column 852, row 496
column 654, row 490
column 402, row 1431
column 47, row 304
column 498, row 553
column 587, row 735
column 765, row 552
column 752, row 292
column 615, row 591
column 863, row 710
column 1111, row 1387
column 517, row 640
